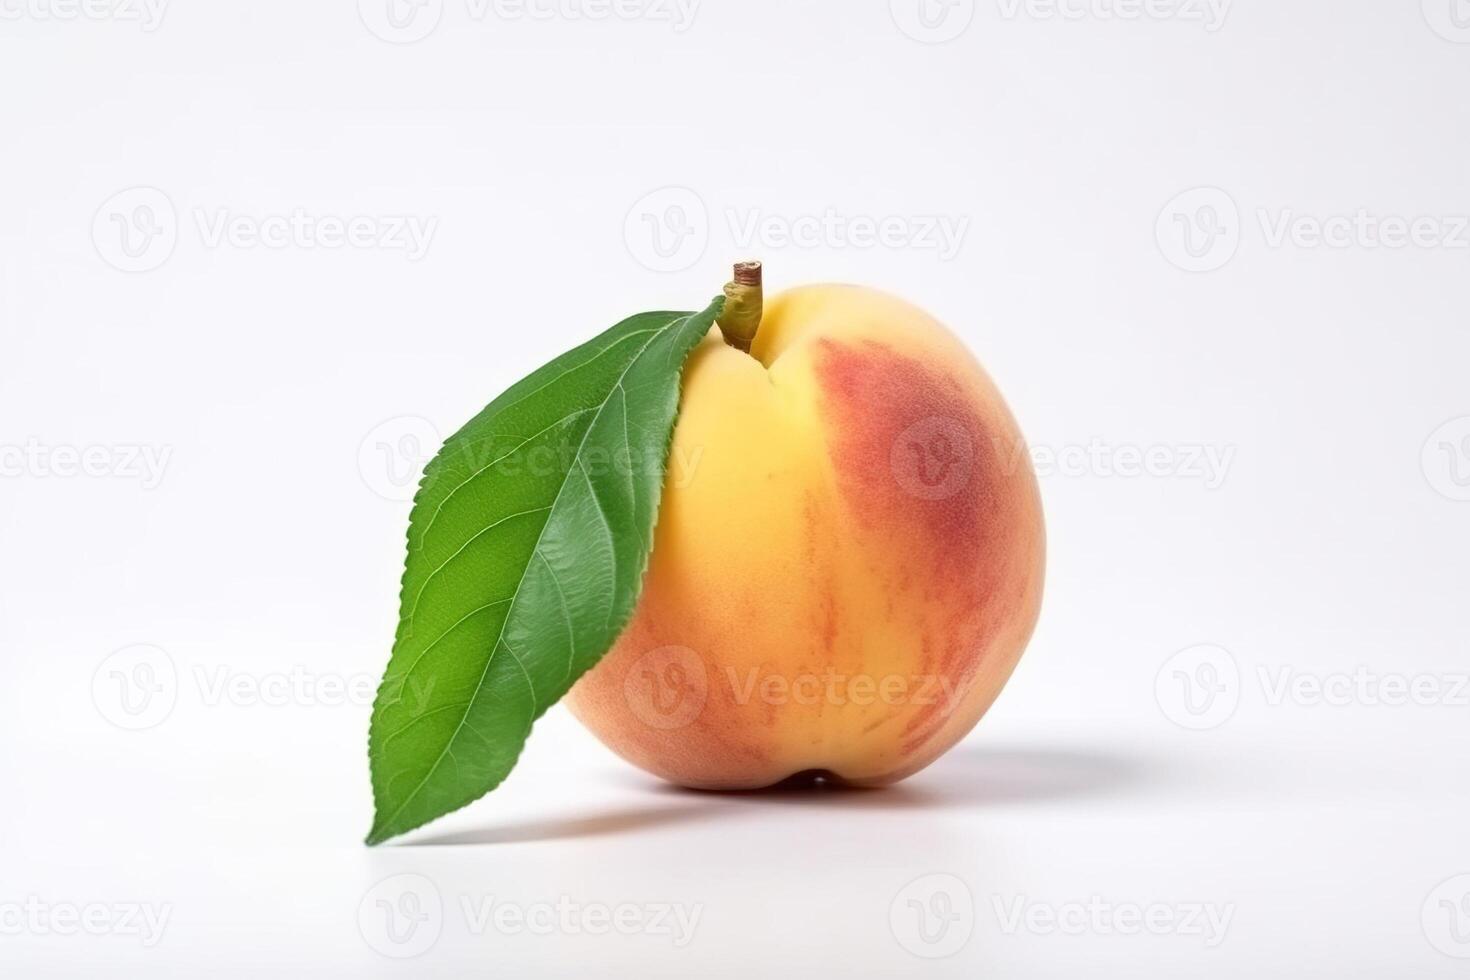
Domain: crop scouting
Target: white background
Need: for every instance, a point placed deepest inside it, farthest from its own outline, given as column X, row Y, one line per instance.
column 285, row 393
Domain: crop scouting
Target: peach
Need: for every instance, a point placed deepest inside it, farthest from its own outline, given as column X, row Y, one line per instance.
column 848, row 562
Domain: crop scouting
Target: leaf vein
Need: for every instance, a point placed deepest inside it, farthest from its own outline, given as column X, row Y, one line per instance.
column 423, row 536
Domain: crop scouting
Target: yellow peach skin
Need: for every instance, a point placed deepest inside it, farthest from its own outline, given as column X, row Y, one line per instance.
column 848, row 561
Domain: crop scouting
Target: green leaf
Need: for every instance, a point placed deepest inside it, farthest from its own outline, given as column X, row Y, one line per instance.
column 527, row 547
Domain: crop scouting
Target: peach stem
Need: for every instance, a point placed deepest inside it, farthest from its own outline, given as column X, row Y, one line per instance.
column 744, row 305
